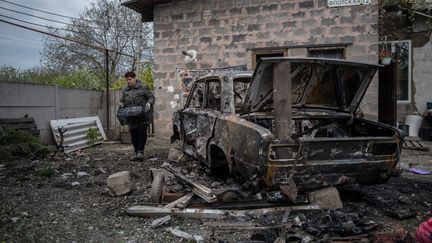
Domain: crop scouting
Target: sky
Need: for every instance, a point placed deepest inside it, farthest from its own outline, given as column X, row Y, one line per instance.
column 20, row 48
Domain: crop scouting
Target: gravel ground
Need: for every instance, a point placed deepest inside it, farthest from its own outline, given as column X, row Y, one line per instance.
column 46, row 200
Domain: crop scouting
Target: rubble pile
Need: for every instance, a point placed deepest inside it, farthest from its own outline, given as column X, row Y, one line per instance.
column 190, row 190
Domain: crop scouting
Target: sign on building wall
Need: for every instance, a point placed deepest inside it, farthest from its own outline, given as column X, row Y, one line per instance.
column 341, row 3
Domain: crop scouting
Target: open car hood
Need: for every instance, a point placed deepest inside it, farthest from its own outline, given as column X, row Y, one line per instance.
column 316, row 83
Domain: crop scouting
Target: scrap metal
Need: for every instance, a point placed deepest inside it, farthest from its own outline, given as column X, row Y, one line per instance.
column 147, row 211
column 297, row 120
column 200, row 190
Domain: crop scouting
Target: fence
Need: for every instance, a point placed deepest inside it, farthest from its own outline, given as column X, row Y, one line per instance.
column 48, row 102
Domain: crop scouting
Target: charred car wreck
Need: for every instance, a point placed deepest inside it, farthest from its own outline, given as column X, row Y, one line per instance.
column 293, row 120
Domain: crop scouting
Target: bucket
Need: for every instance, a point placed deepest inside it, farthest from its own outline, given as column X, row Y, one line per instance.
column 405, row 129
column 426, row 133
column 414, row 122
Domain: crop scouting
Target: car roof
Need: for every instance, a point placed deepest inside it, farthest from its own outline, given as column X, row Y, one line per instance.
column 226, row 74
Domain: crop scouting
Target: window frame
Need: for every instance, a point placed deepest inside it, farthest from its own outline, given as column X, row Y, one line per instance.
column 327, row 49
column 196, row 83
column 207, row 91
column 408, row 101
column 279, row 51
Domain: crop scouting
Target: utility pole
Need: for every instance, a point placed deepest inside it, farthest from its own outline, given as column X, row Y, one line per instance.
column 137, row 60
column 107, row 92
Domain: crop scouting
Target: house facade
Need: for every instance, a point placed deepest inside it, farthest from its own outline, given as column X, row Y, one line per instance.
column 239, row 32
column 409, row 39
column 406, row 30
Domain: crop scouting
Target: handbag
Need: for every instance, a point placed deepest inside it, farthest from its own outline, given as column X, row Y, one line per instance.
column 128, row 115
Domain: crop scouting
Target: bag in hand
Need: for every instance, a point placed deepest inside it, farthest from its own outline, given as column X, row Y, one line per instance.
column 128, row 115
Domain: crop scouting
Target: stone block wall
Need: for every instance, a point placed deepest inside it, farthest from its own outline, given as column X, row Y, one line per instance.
column 224, row 31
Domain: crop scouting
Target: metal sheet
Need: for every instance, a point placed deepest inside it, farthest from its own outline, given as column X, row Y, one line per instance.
column 75, row 132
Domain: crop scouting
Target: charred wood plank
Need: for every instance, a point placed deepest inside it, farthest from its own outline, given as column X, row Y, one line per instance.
column 181, row 202
column 282, row 99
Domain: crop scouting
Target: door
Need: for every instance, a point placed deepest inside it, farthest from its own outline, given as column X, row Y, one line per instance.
column 199, row 117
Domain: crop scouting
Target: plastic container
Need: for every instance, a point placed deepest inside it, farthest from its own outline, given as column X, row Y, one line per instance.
column 426, row 133
column 414, row 122
column 405, row 129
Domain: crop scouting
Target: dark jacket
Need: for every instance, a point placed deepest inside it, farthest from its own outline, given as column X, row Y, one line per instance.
column 139, row 94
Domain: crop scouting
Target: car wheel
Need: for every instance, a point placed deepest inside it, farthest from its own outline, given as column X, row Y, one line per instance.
column 157, row 188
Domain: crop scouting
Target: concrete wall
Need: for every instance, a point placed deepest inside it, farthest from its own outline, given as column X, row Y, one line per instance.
column 224, row 31
column 46, row 102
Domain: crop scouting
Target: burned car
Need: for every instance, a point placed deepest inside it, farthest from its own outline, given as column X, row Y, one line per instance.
column 296, row 123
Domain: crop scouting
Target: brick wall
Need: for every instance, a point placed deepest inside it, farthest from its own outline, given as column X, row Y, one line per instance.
column 224, row 31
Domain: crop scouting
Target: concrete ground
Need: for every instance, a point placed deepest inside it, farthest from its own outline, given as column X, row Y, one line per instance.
column 417, row 159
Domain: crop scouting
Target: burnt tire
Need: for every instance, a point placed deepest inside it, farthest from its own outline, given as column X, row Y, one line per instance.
column 157, row 188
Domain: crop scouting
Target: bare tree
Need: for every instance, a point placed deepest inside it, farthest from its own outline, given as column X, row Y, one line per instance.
column 107, row 24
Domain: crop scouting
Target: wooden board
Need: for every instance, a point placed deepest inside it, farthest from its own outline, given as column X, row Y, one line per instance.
column 24, row 124
column 414, row 143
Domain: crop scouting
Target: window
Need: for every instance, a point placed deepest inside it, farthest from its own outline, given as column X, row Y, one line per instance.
column 267, row 53
column 240, row 86
column 214, row 94
column 351, row 80
column 197, row 97
column 401, row 52
column 334, row 53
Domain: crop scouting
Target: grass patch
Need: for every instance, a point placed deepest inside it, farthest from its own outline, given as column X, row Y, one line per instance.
column 46, row 172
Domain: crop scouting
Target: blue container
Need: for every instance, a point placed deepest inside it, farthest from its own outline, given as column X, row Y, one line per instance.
column 429, row 105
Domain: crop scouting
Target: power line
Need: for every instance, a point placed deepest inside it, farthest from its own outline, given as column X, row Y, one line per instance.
column 15, row 39
column 35, row 16
column 41, row 25
column 52, row 20
column 66, row 38
column 57, row 28
column 43, row 11
column 60, row 22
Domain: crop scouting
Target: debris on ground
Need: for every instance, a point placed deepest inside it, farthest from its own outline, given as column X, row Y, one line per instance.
column 77, row 133
column 60, row 205
column 119, row 183
column 419, row 171
column 160, row 221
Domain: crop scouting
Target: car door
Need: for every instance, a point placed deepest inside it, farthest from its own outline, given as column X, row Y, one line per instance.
column 199, row 116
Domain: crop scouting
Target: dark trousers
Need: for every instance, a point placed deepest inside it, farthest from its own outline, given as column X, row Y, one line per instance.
column 139, row 137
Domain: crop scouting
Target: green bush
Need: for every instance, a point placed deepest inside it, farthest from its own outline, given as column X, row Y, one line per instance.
column 83, row 79
column 146, row 76
column 20, row 144
column 92, row 136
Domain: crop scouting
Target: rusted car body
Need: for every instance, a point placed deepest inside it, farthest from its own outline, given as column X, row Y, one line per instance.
column 296, row 122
